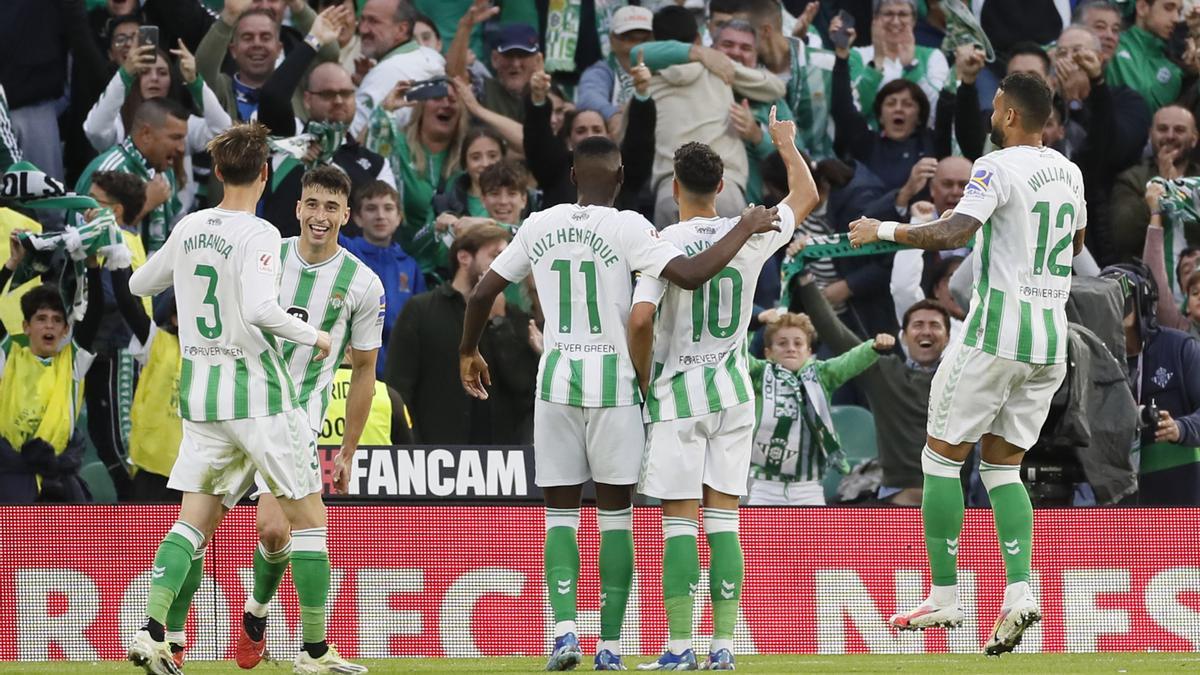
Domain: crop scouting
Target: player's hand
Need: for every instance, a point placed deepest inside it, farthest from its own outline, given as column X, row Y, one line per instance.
column 323, row 345
column 641, row 75
column 1154, row 194
column 783, row 132
column 16, row 250
column 473, row 371
column 1168, row 428
column 539, row 82
column 342, row 468
column 864, row 231
column 743, row 122
column 968, row 61
column 537, row 341
column 718, row 64
column 797, row 245
column 760, row 219
column 884, row 343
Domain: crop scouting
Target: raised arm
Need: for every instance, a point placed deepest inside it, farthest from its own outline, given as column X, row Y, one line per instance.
column 807, row 298
column 460, row 46
column 132, row 310
column 802, row 195
column 1154, row 257
column 89, row 325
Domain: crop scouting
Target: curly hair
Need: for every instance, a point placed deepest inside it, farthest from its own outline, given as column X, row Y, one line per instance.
column 698, row 168
column 791, row 320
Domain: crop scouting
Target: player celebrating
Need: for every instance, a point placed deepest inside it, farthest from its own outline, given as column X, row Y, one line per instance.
column 329, row 288
column 700, row 401
column 996, row 379
column 587, row 417
column 237, row 401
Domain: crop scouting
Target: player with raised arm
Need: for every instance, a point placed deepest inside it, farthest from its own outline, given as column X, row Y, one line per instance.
column 237, row 402
column 587, row 416
column 997, row 377
column 329, row 288
column 699, row 398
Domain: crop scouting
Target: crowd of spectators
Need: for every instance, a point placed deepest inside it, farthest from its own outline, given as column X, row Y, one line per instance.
column 454, row 119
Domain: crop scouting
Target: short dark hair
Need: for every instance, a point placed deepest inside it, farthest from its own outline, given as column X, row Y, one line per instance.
column 763, row 12
column 1187, row 251
column 126, row 189
column 698, row 168
column 376, row 188
column 675, row 23
column 110, row 26
column 926, row 304
column 46, row 296
column 474, row 239
column 507, row 173
column 329, row 177
column 727, row 6
column 1029, row 48
column 421, row 18
column 153, row 112
column 596, row 146
column 901, row 85
column 240, row 152
column 1031, row 96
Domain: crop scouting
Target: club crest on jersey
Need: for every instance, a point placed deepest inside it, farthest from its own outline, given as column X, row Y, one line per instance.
column 337, row 300
column 980, row 181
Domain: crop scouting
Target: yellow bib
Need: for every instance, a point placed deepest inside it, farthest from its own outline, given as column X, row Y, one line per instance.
column 10, row 302
column 38, row 397
column 378, row 430
column 155, row 429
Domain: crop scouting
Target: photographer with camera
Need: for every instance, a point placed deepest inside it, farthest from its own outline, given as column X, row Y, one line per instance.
column 1164, row 373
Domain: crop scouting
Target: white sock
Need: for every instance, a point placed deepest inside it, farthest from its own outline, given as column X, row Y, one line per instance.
column 563, row 627
column 719, row 644
column 176, row 637
column 613, row 646
column 678, row 647
column 944, row 596
column 1015, row 591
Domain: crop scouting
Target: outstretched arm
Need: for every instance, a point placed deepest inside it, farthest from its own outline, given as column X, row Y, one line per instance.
column 802, row 195
column 952, row 231
column 690, row 273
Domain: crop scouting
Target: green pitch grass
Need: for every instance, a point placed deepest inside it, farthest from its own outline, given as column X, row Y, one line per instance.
column 1094, row 664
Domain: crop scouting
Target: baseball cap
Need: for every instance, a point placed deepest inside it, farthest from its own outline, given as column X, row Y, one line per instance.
column 631, row 18
column 517, row 36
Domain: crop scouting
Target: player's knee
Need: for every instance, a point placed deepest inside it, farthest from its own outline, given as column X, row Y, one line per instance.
column 274, row 533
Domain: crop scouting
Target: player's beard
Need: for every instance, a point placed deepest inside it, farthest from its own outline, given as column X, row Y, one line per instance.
column 997, row 137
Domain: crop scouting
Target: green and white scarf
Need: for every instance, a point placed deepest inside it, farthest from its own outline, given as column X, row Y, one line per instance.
column 1180, row 206
column 329, row 136
column 562, row 31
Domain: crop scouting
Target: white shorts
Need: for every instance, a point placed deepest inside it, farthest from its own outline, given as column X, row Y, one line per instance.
column 683, row 455
column 573, row 445
column 974, row 393
column 777, row 493
column 260, row 482
column 221, row 458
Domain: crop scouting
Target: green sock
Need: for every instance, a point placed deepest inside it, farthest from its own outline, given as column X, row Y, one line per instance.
column 681, row 573
column 726, row 569
column 171, row 565
column 1013, row 515
column 310, row 574
column 268, row 572
column 616, row 569
column 178, row 613
column 561, row 560
column 942, row 515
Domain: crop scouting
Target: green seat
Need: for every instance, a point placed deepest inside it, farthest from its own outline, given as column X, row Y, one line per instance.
column 855, row 428
column 99, row 483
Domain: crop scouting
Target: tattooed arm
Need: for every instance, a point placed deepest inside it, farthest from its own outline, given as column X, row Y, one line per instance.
column 953, row 230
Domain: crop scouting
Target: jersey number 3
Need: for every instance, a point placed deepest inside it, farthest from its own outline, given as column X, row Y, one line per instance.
column 209, row 330
column 1041, row 261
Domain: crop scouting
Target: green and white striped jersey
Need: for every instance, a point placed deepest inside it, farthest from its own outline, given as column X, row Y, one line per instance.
column 582, row 259
column 340, row 296
column 1030, row 201
column 700, row 336
column 224, row 266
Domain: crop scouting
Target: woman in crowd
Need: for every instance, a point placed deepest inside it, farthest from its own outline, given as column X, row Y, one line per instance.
column 148, row 73
column 461, row 204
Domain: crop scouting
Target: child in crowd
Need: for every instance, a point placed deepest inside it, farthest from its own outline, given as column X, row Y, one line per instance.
column 794, row 440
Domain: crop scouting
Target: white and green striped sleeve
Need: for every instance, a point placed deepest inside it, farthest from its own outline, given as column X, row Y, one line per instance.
column 366, row 320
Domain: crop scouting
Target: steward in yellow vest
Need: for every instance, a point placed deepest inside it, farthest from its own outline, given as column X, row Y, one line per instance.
column 41, row 378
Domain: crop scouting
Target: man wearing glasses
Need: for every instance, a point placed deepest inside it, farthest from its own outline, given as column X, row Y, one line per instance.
column 329, row 103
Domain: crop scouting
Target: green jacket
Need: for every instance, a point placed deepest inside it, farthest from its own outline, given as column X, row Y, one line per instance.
column 1141, row 63
column 796, row 412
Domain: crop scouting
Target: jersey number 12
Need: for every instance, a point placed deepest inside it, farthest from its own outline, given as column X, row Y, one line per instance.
column 1041, row 261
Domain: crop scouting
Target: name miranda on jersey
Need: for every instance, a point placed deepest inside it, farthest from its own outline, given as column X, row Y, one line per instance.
column 574, row 235
column 214, row 241
column 1052, row 174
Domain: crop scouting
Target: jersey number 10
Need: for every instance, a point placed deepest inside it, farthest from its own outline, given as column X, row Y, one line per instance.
column 1040, row 260
column 713, row 320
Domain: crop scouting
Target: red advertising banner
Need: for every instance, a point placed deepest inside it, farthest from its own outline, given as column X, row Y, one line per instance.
column 467, row 581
